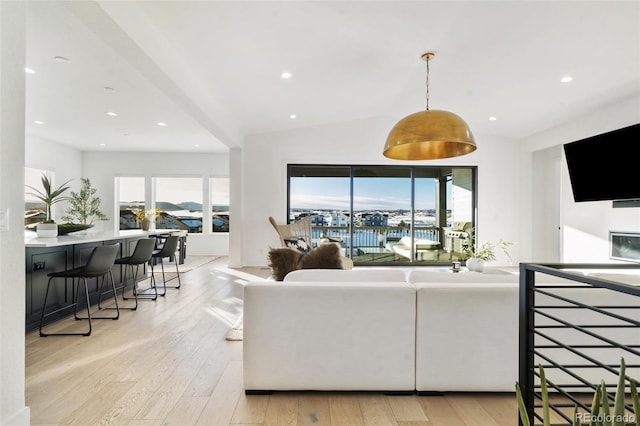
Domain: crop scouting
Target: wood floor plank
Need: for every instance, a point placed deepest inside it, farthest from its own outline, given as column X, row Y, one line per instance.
column 222, row 403
column 376, row 410
column 503, row 408
column 314, row 409
column 186, row 411
column 470, row 411
column 251, row 409
column 439, row 411
column 90, row 412
column 282, row 410
column 407, row 409
column 345, row 409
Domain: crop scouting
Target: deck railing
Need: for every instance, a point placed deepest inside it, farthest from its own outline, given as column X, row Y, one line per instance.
column 577, row 321
column 374, row 236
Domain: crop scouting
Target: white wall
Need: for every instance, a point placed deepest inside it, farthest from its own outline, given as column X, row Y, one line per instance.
column 360, row 142
column 12, row 273
column 102, row 168
column 584, row 227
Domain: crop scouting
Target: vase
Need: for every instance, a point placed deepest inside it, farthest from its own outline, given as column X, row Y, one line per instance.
column 145, row 224
column 47, row 230
column 475, row 264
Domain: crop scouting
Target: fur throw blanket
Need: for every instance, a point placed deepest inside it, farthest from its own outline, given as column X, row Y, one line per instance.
column 284, row 260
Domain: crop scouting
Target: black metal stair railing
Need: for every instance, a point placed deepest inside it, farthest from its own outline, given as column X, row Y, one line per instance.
column 578, row 321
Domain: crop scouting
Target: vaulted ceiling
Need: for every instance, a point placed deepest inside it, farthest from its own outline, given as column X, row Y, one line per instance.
column 211, row 70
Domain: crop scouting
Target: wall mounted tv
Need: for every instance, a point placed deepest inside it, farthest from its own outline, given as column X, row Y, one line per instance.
column 606, row 166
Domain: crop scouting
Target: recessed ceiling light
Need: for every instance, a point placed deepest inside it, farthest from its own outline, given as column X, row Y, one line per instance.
column 61, row 59
column 102, row 144
column 285, row 75
column 111, row 113
column 29, row 70
column 492, row 118
column 39, row 122
column 292, row 116
column 196, row 146
column 566, row 79
column 161, row 124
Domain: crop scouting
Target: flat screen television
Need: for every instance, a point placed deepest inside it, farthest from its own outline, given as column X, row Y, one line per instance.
column 606, row 166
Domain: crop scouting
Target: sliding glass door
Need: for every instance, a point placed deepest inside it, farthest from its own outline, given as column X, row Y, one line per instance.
column 386, row 215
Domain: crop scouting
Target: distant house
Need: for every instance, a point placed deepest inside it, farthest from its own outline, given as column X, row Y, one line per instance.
column 375, row 219
column 318, row 220
column 128, row 219
column 192, row 225
column 220, row 223
column 338, row 219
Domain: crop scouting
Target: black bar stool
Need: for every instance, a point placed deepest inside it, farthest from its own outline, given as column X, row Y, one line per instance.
column 168, row 250
column 99, row 265
column 141, row 255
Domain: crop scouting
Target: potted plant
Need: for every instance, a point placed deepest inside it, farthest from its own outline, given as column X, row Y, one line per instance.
column 49, row 197
column 84, row 208
column 479, row 253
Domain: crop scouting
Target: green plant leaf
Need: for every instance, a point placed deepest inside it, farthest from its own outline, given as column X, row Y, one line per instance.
column 47, row 195
column 545, row 398
column 618, row 405
column 524, row 418
column 576, row 421
column 636, row 403
column 606, row 411
column 84, row 206
column 595, row 407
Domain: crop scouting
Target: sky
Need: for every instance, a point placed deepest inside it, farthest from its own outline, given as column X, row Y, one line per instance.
column 369, row 193
column 175, row 190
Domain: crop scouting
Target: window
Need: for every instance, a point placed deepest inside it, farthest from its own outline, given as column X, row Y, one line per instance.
column 178, row 203
column 386, row 214
column 219, row 204
column 35, row 210
column 131, row 200
column 174, row 203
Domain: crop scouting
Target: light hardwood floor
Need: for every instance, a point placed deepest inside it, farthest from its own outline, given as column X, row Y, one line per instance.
column 168, row 363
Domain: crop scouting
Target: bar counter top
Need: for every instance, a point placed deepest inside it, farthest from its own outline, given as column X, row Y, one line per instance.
column 31, row 240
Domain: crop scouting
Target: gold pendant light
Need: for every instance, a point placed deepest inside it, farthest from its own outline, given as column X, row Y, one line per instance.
column 430, row 134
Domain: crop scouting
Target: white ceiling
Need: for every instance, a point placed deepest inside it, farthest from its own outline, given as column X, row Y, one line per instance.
column 211, row 69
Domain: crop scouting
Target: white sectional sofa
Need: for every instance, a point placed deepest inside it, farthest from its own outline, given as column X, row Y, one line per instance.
column 395, row 330
column 346, row 330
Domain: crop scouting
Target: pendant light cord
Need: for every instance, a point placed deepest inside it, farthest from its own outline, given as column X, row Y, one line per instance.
column 427, row 82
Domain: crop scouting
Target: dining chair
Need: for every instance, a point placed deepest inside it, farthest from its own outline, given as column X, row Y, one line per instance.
column 168, row 251
column 99, row 265
column 141, row 256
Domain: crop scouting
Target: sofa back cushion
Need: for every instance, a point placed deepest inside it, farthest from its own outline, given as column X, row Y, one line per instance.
column 417, row 276
column 342, row 275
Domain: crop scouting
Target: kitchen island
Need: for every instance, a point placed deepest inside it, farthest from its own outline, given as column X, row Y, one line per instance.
column 46, row 255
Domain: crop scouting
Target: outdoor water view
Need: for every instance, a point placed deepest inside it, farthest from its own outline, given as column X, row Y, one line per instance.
column 385, row 214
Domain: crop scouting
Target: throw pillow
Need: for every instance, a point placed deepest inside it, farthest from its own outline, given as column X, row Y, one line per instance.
column 325, row 256
column 282, row 261
column 298, row 244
